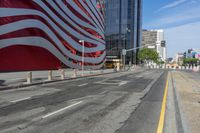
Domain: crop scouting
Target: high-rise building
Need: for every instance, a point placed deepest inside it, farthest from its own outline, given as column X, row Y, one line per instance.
column 123, row 28
column 47, row 34
column 154, row 39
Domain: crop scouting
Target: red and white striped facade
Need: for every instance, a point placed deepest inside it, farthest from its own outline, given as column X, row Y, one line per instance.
column 45, row 34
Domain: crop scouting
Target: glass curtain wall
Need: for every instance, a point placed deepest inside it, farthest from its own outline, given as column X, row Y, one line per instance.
column 123, row 27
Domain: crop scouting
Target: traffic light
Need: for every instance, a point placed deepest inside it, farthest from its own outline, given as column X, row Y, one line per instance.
column 163, row 43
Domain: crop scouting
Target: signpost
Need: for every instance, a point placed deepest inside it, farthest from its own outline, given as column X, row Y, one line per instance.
column 124, row 51
column 83, row 50
column 124, row 58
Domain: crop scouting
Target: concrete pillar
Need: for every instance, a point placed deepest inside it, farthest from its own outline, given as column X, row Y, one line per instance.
column 118, row 66
column 75, row 73
column 90, row 71
column 101, row 70
column 29, row 77
column 197, row 68
column 62, row 76
column 49, row 75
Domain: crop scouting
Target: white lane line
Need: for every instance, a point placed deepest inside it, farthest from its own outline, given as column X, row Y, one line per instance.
column 18, row 100
column 123, row 83
column 81, row 98
column 60, row 110
column 103, row 92
column 83, row 84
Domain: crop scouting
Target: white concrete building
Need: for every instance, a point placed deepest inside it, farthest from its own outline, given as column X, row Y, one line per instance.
column 161, row 45
column 155, row 40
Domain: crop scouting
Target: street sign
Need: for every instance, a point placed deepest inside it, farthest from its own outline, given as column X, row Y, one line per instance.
column 123, row 51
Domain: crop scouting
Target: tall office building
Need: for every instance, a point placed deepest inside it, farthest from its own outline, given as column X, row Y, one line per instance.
column 123, row 28
column 154, row 39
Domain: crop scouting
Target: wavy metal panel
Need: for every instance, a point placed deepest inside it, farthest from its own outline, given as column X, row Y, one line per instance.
column 45, row 34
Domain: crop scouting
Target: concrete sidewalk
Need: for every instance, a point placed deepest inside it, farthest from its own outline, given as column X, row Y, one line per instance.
column 19, row 79
column 183, row 107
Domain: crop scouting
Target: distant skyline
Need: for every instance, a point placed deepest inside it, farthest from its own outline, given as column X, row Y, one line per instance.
column 179, row 18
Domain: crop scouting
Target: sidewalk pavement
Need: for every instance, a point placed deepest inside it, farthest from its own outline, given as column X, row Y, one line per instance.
column 186, row 108
column 19, row 79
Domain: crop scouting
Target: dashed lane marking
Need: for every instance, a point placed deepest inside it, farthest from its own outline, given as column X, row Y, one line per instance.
column 83, row 84
column 60, row 110
column 22, row 99
column 123, row 83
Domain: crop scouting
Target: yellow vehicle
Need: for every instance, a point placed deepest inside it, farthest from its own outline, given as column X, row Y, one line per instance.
column 112, row 63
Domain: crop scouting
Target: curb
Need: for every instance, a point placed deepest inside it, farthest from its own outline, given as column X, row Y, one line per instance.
column 181, row 122
column 52, row 81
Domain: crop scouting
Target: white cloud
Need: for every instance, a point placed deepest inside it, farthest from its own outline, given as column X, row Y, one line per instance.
column 181, row 24
column 181, row 38
column 186, row 16
column 173, row 4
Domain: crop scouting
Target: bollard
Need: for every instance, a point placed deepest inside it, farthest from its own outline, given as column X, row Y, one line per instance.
column 101, row 71
column 197, row 69
column 29, row 77
column 75, row 73
column 62, row 74
column 49, row 75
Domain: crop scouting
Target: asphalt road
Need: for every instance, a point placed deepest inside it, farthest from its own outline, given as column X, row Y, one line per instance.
column 128, row 102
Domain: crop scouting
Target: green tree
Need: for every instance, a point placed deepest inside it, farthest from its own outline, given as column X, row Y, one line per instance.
column 190, row 61
column 148, row 55
column 160, row 62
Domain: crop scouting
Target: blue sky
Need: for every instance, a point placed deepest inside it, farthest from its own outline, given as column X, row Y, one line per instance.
column 179, row 18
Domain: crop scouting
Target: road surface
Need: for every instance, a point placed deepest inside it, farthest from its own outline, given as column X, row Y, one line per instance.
column 128, row 102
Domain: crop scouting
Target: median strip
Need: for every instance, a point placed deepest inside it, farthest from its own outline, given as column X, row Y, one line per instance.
column 163, row 109
column 60, row 110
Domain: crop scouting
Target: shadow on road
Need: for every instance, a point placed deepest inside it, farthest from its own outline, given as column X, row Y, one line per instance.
column 2, row 82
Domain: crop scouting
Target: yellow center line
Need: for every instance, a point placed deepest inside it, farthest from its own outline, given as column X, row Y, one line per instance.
column 163, row 109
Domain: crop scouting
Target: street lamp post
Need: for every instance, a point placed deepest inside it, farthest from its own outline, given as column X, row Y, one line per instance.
column 123, row 54
column 83, row 50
